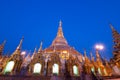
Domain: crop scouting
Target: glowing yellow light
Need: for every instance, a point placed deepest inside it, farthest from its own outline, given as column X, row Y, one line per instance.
column 64, row 51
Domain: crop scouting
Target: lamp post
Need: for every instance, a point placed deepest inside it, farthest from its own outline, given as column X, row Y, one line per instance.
column 98, row 57
column 98, row 48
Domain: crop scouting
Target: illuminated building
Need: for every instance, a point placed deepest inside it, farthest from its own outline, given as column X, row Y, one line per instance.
column 59, row 59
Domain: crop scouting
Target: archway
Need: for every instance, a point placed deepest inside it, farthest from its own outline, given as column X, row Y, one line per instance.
column 75, row 70
column 9, row 66
column 37, row 68
column 55, row 69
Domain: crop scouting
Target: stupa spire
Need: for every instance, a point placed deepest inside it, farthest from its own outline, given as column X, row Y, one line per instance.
column 112, row 27
column 3, row 42
column 60, row 23
column 59, row 40
column 91, row 56
column 35, row 51
column 97, row 53
column 2, row 47
column 85, row 53
column 40, row 49
column 114, row 32
column 60, row 32
column 18, row 49
column 20, row 44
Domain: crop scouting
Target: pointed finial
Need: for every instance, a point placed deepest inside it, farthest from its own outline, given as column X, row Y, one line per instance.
column 40, row 49
column 20, row 44
column 91, row 55
column 113, row 29
column 60, row 32
column 35, row 50
column 60, row 23
column 4, row 42
column 2, row 47
column 85, row 53
column 97, row 53
column 111, row 26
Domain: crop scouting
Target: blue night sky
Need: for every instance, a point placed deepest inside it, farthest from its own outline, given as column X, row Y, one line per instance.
column 85, row 23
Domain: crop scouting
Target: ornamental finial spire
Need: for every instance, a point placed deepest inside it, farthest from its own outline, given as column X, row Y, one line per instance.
column 4, row 42
column 60, row 23
column 20, row 44
column 60, row 32
column 111, row 26
column 40, row 49
column 35, row 51
column 59, row 40
column 85, row 53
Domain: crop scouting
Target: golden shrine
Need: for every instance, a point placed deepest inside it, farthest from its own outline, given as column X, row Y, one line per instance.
column 60, row 58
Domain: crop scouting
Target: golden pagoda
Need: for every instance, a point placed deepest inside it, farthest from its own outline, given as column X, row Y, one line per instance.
column 59, row 59
column 56, row 56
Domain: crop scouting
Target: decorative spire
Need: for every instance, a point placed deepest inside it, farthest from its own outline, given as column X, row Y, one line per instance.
column 97, row 54
column 2, row 47
column 114, row 32
column 91, row 56
column 112, row 27
column 20, row 44
column 35, row 51
column 85, row 53
column 116, row 46
column 59, row 40
column 3, row 44
column 116, row 39
column 87, row 61
column 60, row 23
column 40, row 49
column 60, row 32
column 18, row 50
